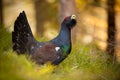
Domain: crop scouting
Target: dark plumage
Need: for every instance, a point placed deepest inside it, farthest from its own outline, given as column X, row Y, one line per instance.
column 54, row 51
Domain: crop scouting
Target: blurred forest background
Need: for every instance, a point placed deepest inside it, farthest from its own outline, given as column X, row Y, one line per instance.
column 96, row 35
column 97, row 20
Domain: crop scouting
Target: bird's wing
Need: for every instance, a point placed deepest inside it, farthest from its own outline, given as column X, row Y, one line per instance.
column 48, row 53
column 22, row 37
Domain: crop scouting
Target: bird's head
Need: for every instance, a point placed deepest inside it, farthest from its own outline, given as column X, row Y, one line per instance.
column 70, row 21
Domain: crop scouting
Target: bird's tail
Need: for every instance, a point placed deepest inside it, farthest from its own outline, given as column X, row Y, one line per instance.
column 22, row 37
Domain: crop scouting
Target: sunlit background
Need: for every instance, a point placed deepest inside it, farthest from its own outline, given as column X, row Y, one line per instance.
column 45, row 17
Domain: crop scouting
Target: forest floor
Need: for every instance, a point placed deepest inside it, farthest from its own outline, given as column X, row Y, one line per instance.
column 86, row 62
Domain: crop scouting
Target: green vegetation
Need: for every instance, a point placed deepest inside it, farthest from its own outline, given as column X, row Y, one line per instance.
column 85, row 62
column 5, row 39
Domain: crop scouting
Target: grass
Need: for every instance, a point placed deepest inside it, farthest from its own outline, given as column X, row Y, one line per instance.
column 85, row 62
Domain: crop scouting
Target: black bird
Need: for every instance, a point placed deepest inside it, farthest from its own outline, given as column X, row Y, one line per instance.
column 54, row 51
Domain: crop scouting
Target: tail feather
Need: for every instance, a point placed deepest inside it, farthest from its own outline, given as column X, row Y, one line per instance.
column 22, row 35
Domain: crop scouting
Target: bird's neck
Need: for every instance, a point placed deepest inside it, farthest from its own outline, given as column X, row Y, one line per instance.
column 65, row 34
column 65, row 38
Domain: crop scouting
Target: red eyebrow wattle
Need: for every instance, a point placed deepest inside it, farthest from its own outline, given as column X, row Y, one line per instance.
column 67, row 18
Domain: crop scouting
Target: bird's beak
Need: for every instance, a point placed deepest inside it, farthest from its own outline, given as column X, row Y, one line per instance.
column 73, row 17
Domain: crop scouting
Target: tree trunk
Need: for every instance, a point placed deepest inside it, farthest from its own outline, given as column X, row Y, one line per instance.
column 66, row 8
column 39, row 8
column 111, row 41
column 1, row 13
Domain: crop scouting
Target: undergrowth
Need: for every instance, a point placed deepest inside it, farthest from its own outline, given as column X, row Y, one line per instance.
column 85, row 62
